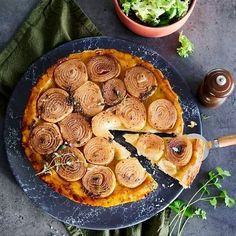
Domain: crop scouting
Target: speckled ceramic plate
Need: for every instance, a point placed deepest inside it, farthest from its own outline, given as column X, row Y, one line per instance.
column 53, row 203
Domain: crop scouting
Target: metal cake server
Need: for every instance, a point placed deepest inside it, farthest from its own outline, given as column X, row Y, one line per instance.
column 220, row 142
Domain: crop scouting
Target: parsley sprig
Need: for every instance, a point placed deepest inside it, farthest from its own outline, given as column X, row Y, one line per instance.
column 210, row 191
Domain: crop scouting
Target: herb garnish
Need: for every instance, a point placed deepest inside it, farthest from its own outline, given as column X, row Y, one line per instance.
column 205, row 117
column 56, row 163
column 186, row 47
column 210, row 191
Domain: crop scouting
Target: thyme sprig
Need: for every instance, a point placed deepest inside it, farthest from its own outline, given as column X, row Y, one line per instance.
column 56, row 162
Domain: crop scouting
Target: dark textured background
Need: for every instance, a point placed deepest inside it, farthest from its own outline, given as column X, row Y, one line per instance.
column 212, row 28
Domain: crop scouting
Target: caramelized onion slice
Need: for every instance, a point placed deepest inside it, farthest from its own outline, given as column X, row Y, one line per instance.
column 151, row 146
column 132, row 113
column 130, row 173
column 140, row 82
column 53, row 105
column 162, row 114
column 45, row 138
column 103, row 122
column 179, row 151
column 99, row 151
column 75, row 130
column 72, row 164
column 71, row 74
column 103, row 68
column 99, row 181
column 113, row 91
column 89, row 98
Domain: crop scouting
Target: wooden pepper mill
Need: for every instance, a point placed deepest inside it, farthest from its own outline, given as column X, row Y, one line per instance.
column 217, row 85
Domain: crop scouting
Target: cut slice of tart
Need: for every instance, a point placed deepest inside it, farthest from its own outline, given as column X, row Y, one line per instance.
column 180, row 157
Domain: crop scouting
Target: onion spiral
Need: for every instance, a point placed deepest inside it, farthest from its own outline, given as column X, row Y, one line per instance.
column 130, row 173
column 140, row 82
column 132, row 113
column 89, row 98
column 113, row 91
column 75, row 130
column 99, row 151
column 53, row 105
column 72, row 164
column 103, row 68
column 179, row 151
column 45, row 138
column 99, row 181
column 162, row 114
column 70, row 74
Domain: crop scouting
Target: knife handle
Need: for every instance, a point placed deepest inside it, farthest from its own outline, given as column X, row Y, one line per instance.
column 225, row 141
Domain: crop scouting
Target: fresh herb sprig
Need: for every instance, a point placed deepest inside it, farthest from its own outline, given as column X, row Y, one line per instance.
column 186, row 46
column 210, row 191
column 49, row 166
column 56, row 162
column 205, row 117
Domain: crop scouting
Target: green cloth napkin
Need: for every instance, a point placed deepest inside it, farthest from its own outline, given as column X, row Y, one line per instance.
column 52, row 23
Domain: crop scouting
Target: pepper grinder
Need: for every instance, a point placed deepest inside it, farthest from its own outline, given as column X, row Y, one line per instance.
column 217, row 85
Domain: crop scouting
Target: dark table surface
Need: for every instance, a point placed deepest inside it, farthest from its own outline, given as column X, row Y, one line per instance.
column 212, row 28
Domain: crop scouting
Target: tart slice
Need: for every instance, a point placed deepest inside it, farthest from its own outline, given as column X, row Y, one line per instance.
column 179, row 157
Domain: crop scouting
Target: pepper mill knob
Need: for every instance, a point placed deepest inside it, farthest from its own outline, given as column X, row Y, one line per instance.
column 217, row 85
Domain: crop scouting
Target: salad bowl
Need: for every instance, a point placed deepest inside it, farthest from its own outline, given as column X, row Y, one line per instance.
column 152, row 31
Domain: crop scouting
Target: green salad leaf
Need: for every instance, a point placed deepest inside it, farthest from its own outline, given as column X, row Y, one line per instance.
column 156, row 12
column 186, row 47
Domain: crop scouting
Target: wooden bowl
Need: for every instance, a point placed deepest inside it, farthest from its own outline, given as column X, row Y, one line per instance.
column 148, row 31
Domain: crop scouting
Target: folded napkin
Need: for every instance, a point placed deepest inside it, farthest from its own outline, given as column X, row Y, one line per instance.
column 52, row 23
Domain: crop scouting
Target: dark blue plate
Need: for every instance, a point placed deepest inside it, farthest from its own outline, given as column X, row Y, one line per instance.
column 53, row 203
